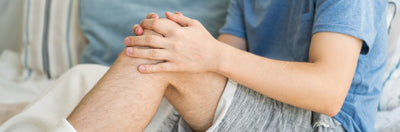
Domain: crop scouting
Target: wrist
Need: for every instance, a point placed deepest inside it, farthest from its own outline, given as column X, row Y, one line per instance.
column 223, row 58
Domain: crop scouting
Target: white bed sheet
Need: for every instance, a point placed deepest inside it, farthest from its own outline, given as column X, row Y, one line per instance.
column 15, row 92
column 388, row 118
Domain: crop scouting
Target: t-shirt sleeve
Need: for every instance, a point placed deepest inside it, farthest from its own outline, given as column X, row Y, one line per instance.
column 358, row 18
column 234, row 23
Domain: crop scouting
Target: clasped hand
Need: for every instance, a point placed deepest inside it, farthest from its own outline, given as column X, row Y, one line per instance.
column 184, row 45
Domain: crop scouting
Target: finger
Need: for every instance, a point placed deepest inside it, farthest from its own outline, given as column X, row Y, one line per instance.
column 147, row 41
column 156, row 68
column 181, row 19
column 152, row 16
column 147, row 53
column 137, row 30
column 179, row 13
column 150, row 32
column 161, row 26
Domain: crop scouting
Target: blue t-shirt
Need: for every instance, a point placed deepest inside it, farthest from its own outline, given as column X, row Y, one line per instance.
column 282, row 29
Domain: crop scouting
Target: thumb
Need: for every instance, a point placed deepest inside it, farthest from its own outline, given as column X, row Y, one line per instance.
column 180, row 19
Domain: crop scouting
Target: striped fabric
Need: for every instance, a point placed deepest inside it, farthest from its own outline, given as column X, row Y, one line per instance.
column 52, row 37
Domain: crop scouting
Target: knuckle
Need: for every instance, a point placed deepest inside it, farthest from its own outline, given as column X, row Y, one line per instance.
column 135, row 52
column 154, row 68
column 143, row 22
column 141, row 39
column 174, row 45
column 155, row 23
column 161, row 68
column 149, row 15
column 153, row 54
column 132, row 40
column 150, row 39
column 195, row 21
column 178, row 31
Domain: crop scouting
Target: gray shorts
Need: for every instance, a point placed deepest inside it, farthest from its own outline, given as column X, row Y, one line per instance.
column 242, row 109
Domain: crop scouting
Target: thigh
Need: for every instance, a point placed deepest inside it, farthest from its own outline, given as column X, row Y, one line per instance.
column 196, row 96
column 122, row 97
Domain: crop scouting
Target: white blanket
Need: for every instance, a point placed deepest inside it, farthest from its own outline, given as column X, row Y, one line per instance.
column 15, row 93
column 388, row 119
column 49, row 109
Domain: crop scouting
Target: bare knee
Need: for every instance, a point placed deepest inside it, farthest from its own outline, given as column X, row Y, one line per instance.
column 180, row 82
column 195, row 97
column 126, row 67
column 126, row 60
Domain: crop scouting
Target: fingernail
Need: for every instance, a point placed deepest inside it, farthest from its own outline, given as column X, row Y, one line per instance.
column 129, row 50
column 169, row 13
column 127, row 39
column 136, row 30
column 142, row 68
column 153, row 16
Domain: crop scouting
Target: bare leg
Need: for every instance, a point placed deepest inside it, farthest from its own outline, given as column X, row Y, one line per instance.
column 123, row 100
column 196, row 96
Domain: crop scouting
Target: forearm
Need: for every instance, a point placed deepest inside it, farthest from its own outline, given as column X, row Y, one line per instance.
column 302, row 84
column 233, row 41
column 122, row 100
column 319, row 85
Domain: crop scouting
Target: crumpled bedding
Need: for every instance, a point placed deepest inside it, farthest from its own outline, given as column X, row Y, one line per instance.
column 388, row 121
column 388, row 118
column 16, row 93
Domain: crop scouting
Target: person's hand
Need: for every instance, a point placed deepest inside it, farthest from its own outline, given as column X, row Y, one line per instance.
column 138, row 30
column 186, row 46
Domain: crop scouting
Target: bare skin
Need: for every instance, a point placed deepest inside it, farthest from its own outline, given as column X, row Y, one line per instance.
column 191, row 75
column 118, row 97
column 320, row 85
column 126, row 100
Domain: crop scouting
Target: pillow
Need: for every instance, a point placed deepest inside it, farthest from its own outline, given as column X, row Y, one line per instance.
column 52, row 38
column 10, row 25
column 106, row 23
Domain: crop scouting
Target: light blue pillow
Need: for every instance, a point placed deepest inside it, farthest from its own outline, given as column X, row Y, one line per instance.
column 106, row 23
